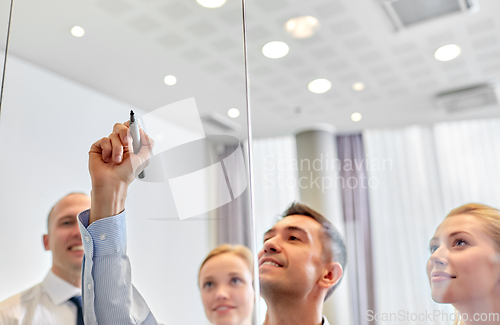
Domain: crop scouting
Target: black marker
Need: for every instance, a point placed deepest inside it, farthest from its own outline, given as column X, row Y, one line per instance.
column 136, row 137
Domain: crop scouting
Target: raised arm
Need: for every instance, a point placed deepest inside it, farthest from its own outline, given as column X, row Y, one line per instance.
column 109, row 298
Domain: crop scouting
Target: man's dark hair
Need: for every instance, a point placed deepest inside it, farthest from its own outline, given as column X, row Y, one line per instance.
column 336, row 251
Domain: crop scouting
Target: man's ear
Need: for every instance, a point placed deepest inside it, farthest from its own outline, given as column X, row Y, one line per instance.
column 46, row 242
column 331, row 276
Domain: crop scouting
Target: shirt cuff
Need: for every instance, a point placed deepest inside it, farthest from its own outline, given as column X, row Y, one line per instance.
column 104, row 236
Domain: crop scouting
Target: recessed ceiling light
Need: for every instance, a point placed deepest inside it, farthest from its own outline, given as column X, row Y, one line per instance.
column 356, row 117
column 358, row 86
column 233, row 112
column 77, row 31
column 319, row 86
column 275, row 50
column 447, row 52
column 211, row 3
column 170, row 80
column 302, row 27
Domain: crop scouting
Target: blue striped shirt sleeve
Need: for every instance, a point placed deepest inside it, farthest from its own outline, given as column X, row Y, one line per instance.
column 109, row 298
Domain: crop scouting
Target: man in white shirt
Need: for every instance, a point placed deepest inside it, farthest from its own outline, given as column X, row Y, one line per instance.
column 300, row 264
column 57, row 299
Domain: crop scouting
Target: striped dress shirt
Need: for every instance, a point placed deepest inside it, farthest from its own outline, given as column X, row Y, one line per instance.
column 44, row 304
column 108, row 296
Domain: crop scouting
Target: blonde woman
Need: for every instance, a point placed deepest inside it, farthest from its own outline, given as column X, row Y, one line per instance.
column 464, row 266
column 225, row 281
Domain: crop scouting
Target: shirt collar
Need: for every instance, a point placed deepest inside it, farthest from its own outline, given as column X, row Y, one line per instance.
column 325, row 321
column 58, row 289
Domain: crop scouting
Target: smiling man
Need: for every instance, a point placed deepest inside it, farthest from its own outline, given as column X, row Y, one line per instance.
column 300, row 265
column 54, row 301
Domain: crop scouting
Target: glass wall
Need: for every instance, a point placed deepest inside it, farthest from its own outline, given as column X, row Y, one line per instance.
column 355, row 113
column 4, row 27
column 345, row 118
column 75, row 69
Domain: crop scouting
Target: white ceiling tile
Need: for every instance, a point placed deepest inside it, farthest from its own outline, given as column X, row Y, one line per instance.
column 277, row 82
column 293, row 62
column 412, row 61
column 485, row 41
column 488, row 56
column 202, row 29
column 232, row 16
column 257, row 33
column 194, row 55
column 491, row 69
column 428, row 84
column 421, row 73
column 290, row 92
column 389, row 81
column 215, row 67
column 260, row 71
column 358, row 43
column 225, row 44
column 171, row 40
column 369, row 98
column 337, row 66
column 271, row 6
column 323, row 53
column 329, row 9
column 405, row 48
column 454, row 65
column 177, row 10
column 235, row 79
column 349, row 78
column 397, row 92
column 380, row 70
column 482, row 26
column 345, row 27
column 306, row 75
column 115, row 7
column 372, row 57
column 144, row 23
column 441, row 38
column 459, row 78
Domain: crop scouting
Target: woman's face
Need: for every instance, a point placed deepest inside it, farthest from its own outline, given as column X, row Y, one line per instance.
column 226, row 290
column 464, row 265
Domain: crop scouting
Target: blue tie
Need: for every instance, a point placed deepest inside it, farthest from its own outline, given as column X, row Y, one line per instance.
column 78, row 303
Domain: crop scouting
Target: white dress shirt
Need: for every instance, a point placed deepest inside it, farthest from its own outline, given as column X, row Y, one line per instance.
column 44, row 304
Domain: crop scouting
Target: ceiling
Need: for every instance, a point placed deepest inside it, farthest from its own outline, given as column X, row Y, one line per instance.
column 131, row 45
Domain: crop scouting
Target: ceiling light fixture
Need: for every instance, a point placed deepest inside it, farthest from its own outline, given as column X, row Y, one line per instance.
column 170, row 80
column 319, row 86
column 358, row 86
column 356, row 117
column 447, row 52
column 275, row 50
column 302, row 27
column 211, row 3
column 77, row 31
column 233, row 112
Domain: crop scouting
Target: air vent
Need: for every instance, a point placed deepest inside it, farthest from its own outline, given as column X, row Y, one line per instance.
column 478, row 96
column 221, row 122
column 405, row 13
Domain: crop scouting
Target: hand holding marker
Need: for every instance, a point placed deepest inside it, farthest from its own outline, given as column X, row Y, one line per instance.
column 136, row 137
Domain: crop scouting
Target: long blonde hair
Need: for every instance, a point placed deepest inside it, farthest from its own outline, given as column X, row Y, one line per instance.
column 491, row 221
column 239, row 250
